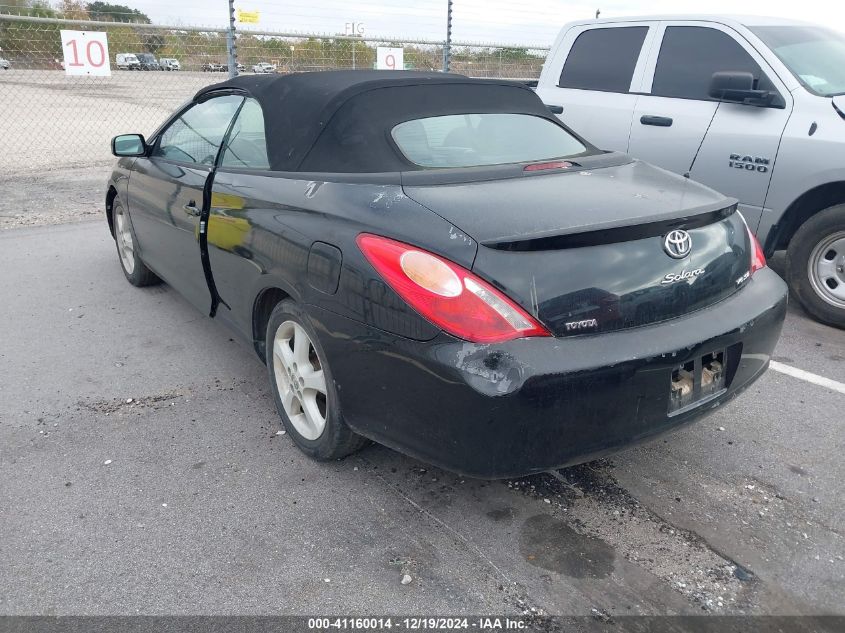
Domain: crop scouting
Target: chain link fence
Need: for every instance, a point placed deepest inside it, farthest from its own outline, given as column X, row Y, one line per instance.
column 51, row 120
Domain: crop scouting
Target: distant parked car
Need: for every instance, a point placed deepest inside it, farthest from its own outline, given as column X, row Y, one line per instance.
column 263, row 67
column 213, row 67
column 4, row 64
column 127, row 61
column 148, row 62
column 170, row 63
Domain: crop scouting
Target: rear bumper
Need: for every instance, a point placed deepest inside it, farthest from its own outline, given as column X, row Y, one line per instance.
column 533, row 404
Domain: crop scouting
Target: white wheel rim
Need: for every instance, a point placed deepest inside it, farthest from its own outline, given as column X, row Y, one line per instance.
column 300, row 380
column 827, row 269
column 125, row 246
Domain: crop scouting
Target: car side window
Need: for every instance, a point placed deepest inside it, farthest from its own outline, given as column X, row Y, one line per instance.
column 196, row 136
column 690, row 55
column 603, row 59
column 246, row 147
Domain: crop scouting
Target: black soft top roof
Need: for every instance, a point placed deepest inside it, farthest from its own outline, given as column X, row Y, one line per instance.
column 340, row 121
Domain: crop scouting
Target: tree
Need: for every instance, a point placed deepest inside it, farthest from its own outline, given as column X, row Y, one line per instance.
column 116, row 13
column 515, row 54
column 153, row 42
column 73, row 10
column 37, row 8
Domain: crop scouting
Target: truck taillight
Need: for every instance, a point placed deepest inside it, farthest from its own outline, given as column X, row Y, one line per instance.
column 448, row 295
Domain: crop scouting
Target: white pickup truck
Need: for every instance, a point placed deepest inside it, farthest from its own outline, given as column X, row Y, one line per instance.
column 752, row 107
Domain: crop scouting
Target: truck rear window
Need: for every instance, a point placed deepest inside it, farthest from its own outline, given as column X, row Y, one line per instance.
column 473, row 140
column 603, row 59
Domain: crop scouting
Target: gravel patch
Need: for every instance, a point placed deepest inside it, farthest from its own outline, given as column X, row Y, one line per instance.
column 35, row 197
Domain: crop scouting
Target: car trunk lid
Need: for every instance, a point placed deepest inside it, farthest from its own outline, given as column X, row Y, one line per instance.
column 584, row 250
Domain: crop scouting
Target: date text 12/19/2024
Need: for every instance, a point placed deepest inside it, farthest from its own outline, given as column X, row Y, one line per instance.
column 485, row 623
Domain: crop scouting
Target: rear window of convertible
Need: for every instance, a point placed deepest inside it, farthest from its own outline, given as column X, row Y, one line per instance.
column 474, row 140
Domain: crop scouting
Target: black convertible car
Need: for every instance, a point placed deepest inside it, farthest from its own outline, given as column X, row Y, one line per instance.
column 438, row 264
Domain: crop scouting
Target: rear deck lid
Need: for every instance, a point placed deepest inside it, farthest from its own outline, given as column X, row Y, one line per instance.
column 592, row 250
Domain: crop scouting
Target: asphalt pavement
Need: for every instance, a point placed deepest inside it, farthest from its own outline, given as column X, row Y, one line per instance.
column 142, row 472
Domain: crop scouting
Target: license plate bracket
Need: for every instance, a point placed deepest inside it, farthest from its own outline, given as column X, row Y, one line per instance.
column 697, row 381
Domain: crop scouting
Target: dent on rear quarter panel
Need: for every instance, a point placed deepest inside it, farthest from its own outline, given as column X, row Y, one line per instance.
column 490, row 371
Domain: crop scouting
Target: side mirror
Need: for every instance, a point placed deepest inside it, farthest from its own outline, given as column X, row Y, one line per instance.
column 738, row 87
column 129, row 145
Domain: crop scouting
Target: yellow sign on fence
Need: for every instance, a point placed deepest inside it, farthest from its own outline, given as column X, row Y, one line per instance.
column 248, row 17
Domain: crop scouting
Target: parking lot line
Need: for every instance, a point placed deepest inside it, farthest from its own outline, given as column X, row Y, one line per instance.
column 809, row 377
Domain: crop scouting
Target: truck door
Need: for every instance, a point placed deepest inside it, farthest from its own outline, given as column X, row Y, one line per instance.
column 601, row 68
column 677, row 125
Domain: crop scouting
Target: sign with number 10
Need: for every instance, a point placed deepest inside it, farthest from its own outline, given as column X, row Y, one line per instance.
column 86, row 53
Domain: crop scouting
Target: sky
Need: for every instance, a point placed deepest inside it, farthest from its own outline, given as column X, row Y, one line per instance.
column 502, row 21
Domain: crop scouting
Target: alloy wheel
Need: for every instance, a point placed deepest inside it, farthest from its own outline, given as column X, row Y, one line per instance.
column 300, row 380
column 125, row 245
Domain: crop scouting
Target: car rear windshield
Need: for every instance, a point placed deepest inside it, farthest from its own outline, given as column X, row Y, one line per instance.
column 473, row 140
column 815, row 55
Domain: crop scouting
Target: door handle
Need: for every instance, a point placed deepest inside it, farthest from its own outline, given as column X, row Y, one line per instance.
column 659, row 121
column 191, row 209
column 555, row 109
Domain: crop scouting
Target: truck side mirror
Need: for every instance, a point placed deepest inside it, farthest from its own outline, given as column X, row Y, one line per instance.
column 738, row 87
column 129, row 145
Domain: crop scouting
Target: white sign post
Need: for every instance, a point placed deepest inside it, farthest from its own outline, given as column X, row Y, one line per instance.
column 390, row 58
column 86, row 53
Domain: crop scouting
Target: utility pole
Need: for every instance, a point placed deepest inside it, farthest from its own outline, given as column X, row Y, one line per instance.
column 230, row 42
column 447, row 48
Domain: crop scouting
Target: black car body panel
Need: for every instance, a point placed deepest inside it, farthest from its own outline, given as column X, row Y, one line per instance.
column 533, row 229
column 565, row 202
column 275, row 241
column 167, row 233
column 580, row 243
column 533, row 404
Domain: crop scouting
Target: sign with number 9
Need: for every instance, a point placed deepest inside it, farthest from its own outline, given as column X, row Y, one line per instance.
column 390, row 58
column 86, row 53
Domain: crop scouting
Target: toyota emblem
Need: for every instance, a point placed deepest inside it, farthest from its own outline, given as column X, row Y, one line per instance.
column 677, row 244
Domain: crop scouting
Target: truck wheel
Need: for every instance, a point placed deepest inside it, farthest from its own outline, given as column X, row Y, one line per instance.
column 815, row 265
column 303, row 389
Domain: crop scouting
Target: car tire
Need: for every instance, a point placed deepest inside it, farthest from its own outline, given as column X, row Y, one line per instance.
column 815, row 265
column 134, row 269
column 313, row 418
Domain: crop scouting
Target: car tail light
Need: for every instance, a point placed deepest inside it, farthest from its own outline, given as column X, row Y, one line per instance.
column 448, row 295
column 758, row 258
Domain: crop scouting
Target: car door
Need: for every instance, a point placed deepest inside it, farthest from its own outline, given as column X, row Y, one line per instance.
column 239, row 198
column 167, row 195
column 601, row 68
column 677, row 125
